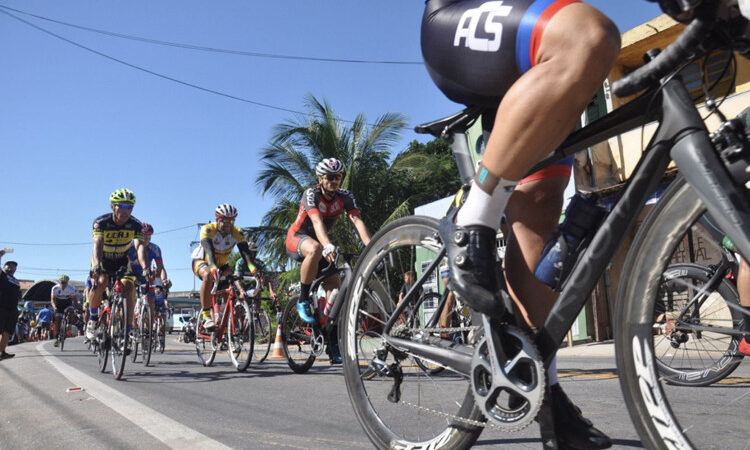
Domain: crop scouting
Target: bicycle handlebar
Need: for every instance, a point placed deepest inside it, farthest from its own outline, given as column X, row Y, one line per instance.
column 665, row 62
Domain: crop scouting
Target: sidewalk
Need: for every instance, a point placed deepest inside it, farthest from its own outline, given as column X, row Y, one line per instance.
column 605, row 349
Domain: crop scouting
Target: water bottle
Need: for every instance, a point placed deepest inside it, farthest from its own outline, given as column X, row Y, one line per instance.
column 582, row 216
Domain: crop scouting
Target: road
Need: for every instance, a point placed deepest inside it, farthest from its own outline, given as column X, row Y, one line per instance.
column 177, row 403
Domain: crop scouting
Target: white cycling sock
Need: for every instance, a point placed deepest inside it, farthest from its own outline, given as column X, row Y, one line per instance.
column 552, row 372
column 487, row 200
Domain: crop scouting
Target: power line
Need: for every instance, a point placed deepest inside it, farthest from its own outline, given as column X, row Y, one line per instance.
column 214, row 49
column 166, row 77
column 84, row 243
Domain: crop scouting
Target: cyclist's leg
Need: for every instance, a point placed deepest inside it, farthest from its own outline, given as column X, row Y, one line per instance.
column 95, row 299
column 129, row 284
column 743, row 287
column 58, row 319
column 202, row 271
column 311, row 252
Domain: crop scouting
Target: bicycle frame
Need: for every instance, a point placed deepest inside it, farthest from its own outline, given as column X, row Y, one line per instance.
column 229, row 295
column 681, row 136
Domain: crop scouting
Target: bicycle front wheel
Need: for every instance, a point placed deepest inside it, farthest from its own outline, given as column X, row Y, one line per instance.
column 144, row 331
column 297, row 339
column 205, row 342
column 664, row 415
column 263, row 335
column 63, row 331
column 686, row 349
column 241, row 335
column 118, row 331
column 102, row 341
column 432, row 411
column 160, row 331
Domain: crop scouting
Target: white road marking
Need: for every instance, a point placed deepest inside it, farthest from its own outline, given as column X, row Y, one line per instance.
column 169, row 431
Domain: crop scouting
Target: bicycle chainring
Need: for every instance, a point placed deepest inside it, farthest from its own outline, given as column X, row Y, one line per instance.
column 317, row 342
column 508, row 388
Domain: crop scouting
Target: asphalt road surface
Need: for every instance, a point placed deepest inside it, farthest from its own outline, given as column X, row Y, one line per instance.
column 176, row 402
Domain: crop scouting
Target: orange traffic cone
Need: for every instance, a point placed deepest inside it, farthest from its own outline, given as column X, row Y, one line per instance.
column 278, row 351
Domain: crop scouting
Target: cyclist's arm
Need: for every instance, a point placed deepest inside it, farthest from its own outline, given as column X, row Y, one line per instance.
column 320, row 229
column 98, row 253
column 244, row 249
column 361, row 228
column 270, row 290
column 52, row 298
column 208, row 249
column 140, row 250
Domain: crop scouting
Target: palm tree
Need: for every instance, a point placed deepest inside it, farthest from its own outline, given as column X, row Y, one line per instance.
column 289, row 168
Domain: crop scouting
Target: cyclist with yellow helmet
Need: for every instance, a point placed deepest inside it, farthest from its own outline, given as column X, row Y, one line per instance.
column 113, row 234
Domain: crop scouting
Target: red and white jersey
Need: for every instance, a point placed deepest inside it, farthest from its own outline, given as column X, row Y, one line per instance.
column 313, row 202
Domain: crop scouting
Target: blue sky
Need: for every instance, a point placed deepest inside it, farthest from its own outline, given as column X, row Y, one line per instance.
column 74, row 125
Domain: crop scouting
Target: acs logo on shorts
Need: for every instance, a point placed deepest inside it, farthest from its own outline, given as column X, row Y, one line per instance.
column 488, row 15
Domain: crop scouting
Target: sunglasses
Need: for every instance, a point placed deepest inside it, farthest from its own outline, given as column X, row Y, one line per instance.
column 124, row 205
column 222, row 219
column 333, row 177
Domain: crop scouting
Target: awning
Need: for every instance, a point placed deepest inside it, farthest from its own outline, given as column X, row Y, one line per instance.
column 39, row 291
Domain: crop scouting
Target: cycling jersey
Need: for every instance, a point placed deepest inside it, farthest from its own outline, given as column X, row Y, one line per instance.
column 153, row 253
column 241, row 269
column 222, row 245
column 475, row 50
column 313, row 202
column 117, row 238
column 69, row 293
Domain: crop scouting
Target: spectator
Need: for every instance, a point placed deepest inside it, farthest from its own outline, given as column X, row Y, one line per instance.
column 43, row 321
column 408, row 283
column 10, row 293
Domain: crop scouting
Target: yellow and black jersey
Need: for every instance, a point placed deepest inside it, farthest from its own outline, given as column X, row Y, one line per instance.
column 117, row 238
column 222, row 245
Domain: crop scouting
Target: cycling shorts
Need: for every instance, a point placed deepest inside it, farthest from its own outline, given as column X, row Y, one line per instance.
column 199, row 263
column 61, row 305
column 160, row 307
column 294, row 245
column 113, row 265
column 43, row 325
column 475, row 50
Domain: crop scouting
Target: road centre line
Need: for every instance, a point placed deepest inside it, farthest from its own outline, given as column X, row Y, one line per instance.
column 168, row 431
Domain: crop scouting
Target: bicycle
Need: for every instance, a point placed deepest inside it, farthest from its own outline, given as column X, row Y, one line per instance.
column 143, row 329
column 264, row 332
column 501, row 375
column 111, row 336
column 696, row 318
column 160, row 331
column 65, row 325
column 235, row 321
column 303, row 341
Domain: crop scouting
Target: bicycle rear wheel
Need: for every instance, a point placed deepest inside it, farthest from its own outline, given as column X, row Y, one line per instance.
column 144, row 331
column 160, row 331
column 118, row 330
column 136, row 341
column 432, row 412
column 687, row 352
column 102, row 341
column 263, row 335
column 297, row 339
column 205, row 342
column 667, row 416
column 241, row 334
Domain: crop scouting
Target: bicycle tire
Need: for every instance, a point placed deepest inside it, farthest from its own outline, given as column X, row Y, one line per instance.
column 161, row 332
column 118, row 326
column 136, row 331
column 145, row 333
column 690, row 357
column 63, row 331
column 263, row 335
column 241, row 335
column 296, row 334
column 448, row 417
column 661, row 412
column 102, row 341
column 205, row 347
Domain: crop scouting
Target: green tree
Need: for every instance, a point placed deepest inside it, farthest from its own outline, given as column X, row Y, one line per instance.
column 289, row 168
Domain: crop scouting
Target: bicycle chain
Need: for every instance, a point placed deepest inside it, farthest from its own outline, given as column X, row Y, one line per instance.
column 448, row 329
column 475, row 423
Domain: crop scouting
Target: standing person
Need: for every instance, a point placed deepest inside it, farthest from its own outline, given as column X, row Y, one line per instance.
column 409, row 278
column 113, row 234
column 10, row 293
column 62, row 296
column 534, row 65
column 43, row 321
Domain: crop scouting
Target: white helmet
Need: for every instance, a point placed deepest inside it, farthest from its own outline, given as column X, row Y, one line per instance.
column 225, row 210
column 329, row 166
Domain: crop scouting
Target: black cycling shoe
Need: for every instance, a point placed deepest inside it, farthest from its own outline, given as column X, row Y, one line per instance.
column 472, row 258
column 574, row 431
